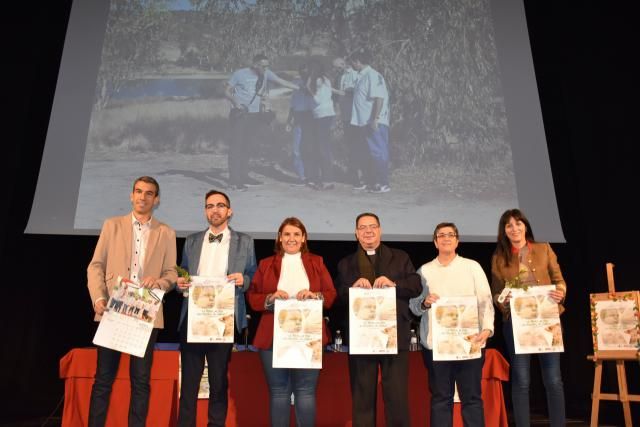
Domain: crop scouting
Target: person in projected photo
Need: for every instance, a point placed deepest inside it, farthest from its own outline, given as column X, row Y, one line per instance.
column 299, row 122
column 222, row 252
column 317, row 149
column 370, row 114
column 292, row 272
column 140, row 248
column 345, row 82
column 451, row 275
column 517, row 254
column 376, row 265
column 247, row 89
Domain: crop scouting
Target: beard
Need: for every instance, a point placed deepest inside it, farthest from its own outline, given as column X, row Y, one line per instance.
column 217, row 220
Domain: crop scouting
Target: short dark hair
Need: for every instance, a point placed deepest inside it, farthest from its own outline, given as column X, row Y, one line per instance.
column 443, row 225
column 363, row 214
column 260, row 57
column 148, row 180
column 212, row 192
column 295, row 222
column 363, row 56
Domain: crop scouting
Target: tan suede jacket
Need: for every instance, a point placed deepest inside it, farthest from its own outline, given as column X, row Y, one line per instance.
column 542, row 262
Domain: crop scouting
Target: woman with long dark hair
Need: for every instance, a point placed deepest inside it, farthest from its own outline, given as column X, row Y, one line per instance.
column 519, row 257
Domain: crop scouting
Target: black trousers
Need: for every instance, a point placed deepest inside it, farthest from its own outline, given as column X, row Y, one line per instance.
column 248, row 133
column 140, row 375
column 363, row 373
column 192, row 357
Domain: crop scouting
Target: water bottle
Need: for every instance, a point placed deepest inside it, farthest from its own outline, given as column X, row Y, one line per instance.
column 337, row 342
column 413, row 343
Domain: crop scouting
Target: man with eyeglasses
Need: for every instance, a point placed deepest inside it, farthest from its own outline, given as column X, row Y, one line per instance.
column 449, row 274
column 375, row 265
column 247, row 90
column 215, row 252
column 138, row 247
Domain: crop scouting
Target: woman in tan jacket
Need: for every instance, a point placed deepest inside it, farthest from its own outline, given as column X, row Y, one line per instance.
column 517, row 255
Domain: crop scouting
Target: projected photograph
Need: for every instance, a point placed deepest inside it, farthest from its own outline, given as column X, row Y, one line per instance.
column 388, row 106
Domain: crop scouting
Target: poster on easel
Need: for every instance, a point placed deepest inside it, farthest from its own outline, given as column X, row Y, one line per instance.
column 127, row 322
column 615, row 326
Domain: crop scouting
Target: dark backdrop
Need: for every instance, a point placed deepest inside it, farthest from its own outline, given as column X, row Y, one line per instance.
column 583, row 60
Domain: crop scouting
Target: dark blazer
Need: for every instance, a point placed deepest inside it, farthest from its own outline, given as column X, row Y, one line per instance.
column 242, row 259
column 394, row 264
column 265, row 282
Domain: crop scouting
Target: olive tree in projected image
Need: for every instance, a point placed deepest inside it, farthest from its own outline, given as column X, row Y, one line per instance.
column 135, row 29
column 448, row 121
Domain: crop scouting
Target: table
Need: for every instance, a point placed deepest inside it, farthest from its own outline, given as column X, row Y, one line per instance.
column 248, row 393
column 78, row 368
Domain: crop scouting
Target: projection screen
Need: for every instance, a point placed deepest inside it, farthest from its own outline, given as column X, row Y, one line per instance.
column 141, row 91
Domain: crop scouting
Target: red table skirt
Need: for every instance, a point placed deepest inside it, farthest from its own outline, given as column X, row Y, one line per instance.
column 248, row 394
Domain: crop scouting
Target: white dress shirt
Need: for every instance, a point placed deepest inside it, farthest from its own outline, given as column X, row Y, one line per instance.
column 139, row 247
column 214, row 256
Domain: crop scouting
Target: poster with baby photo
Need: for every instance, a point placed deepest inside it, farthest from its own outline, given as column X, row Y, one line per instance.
column 536, row 321
column 211, row 310
column 615, row 323
column 127, row 322
column 454, row 323
column 372, row 321
column 297, row 334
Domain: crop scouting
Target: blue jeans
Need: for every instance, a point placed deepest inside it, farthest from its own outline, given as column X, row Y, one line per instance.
column 520, row 380
column 378, row 142
column 443, row 375
column 282, row 382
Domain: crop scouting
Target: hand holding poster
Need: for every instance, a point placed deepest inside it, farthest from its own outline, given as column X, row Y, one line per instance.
column 536, row 321
column 127, row 323
column 297, row 334
column 372, row 321
column 211, row 310
column 454, row 323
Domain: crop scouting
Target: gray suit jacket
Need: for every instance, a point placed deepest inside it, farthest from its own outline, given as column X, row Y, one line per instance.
column 242, row 259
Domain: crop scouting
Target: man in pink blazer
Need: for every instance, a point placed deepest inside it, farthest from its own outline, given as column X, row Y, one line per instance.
column 135, row 246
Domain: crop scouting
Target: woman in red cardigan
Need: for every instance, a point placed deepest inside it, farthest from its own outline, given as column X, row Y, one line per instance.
column 293, row 272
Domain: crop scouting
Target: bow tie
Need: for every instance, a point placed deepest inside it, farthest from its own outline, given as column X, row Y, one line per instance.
column 215, row 237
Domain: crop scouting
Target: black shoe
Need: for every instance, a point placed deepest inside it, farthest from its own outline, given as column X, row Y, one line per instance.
column 238, row 187
column 329, row 186
column 313, row 185
column 299, row 182
column 251, row 182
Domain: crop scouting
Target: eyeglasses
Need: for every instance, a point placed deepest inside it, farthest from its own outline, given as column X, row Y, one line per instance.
column 370, row 227
column 446, row 235
column 217, row 205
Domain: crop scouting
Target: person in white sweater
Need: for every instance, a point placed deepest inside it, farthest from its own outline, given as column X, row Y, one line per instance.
column 449, row 274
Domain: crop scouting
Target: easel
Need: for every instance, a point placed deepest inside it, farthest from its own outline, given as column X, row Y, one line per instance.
column 619, row 357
